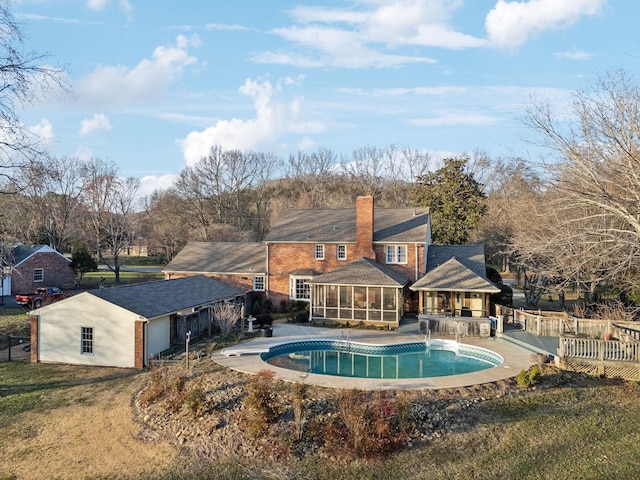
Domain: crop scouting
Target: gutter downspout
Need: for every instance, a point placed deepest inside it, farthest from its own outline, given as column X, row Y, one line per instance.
column 266, row 280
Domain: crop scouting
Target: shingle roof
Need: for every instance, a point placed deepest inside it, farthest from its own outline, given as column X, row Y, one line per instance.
column 339, row 225
column 362, row 271
column 471, row 256
column 152, row 299
column 22, row 251
column 220, row 257
column 455, row 267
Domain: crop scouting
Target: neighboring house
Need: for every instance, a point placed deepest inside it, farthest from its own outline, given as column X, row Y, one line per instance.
column 126, row 326
column 455, row 283
column 33, row 266
column 240, row 263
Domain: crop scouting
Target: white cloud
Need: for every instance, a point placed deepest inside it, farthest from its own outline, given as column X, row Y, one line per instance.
column 126, row 7
column 43, row 130
column 99, row 122
column 273, row 119
column 120, row 85
column 574, row 55
column 225, row 27
column 364, row 35
column 123, row 5
column 97, row 4
column 334, row 47
column 510, row 24
column 306, row 143
column 151, row 183
column 455, row 117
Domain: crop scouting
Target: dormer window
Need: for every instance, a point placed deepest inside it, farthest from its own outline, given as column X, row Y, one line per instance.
column 396, row 254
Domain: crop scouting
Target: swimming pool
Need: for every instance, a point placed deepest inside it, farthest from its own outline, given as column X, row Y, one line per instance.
column 433, row 358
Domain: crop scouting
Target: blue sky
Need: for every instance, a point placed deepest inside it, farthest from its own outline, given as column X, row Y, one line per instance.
column 156, row 83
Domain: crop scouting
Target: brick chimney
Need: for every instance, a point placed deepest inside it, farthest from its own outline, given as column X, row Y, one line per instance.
column 364, row 227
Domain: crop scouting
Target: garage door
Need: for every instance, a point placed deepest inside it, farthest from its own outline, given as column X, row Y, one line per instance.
column 158, row 336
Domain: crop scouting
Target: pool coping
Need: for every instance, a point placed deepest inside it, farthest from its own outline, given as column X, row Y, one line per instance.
column 515, row 359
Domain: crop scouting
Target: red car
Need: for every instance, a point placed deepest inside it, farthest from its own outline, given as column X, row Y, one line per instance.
column 42, row 296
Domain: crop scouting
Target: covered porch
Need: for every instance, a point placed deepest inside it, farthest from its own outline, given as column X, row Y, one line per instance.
column 361, row 291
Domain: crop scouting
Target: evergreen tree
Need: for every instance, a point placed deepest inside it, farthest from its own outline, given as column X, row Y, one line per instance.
column 455, row 200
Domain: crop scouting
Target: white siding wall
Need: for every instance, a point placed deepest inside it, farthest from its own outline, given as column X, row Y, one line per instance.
column 157, row 336
column 113, row 332
column 6, row 287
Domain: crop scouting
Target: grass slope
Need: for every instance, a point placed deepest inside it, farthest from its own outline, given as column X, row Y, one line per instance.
column 571, row 426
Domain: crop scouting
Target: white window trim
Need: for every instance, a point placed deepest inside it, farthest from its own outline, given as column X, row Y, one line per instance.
column 41, row 270
column 338, row 257
column 293, row 292
column 318, row 251
column 255, row 287
column 392, row 254
column 82, row 340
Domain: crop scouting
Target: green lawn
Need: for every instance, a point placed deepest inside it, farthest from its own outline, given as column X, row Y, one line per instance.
column 93, row 279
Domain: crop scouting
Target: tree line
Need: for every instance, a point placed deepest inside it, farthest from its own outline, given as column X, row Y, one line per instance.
column 571, row 216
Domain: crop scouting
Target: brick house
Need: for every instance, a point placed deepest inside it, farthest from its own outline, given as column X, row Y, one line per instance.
column 33, row 266
column 361, row 264
column 238, row 263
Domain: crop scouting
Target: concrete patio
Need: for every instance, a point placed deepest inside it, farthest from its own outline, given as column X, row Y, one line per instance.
column 515, row 358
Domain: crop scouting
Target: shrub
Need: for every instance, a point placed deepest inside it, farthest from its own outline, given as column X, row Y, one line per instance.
column 260, row 403
column 534, row 375
column 369, row 427
column 526, row 379
column 298, row 402
column 523, row 379
column 195, row 400
column 301, row 317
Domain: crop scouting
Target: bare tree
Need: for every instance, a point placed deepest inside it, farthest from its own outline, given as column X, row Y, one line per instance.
column 111, row 203
column 513, row 188
column 365, row 168
column 24, row 76
column 225, row 316
column 400, row 168
column 52, row 198
column 589, row 228
column 310, row 177
column 163, row 223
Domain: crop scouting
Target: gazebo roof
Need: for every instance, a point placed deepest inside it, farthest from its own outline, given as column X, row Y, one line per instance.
column 454, row 276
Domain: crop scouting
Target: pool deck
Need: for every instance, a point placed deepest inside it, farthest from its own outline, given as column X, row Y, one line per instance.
column 245, row 358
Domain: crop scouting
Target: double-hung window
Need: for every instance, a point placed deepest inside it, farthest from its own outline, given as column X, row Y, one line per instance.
column 38, row 275
column 319, row 252
column 86, row 340
column 258, row 283
column 396, row 254
column 341, row 252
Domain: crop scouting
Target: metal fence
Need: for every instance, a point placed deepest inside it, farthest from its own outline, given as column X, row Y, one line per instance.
column 14, row 349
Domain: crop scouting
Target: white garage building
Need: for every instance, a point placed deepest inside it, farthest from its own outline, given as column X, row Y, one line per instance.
column 123, row 326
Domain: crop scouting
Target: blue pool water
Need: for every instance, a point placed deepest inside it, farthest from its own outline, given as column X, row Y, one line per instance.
column 435, row 358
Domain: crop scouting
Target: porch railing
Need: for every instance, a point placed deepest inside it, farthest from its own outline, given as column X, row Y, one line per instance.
column 455, row 312
column 596, row 349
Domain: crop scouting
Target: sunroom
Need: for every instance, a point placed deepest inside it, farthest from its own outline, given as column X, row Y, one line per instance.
column 361, row 291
